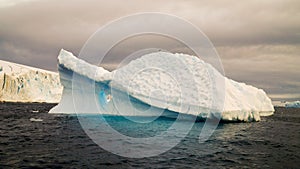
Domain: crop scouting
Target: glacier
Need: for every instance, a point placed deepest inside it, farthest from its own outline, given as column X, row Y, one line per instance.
column 20, row 83
column 295, row 104
column 178, row 83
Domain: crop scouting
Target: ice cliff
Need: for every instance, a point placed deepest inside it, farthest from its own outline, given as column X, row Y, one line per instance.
column 20, row 83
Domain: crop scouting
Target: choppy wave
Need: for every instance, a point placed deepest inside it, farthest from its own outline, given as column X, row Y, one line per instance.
column 59, row 142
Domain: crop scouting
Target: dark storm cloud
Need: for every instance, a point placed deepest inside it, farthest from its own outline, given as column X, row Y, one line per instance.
column 258, row 41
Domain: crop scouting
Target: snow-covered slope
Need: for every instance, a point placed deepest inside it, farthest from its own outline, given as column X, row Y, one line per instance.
column 295, row 104
column 20, row 83
column 176, row 82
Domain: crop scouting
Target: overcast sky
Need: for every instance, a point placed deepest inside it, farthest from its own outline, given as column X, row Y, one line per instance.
column 258, row 41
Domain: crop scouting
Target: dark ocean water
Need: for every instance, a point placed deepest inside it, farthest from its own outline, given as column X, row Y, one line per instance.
column 60, row 142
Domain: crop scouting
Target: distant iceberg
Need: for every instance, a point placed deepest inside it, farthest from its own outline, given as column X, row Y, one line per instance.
column 295, row 104
column 36, row 119
column 232, row 102
column 20, row 83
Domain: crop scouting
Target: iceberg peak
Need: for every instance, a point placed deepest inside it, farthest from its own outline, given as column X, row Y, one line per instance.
column 69, row 61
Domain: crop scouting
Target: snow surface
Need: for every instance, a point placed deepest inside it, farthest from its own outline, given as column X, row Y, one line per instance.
column 83, row 68
column 176, row 82
column 295, row 104
column 20, row 83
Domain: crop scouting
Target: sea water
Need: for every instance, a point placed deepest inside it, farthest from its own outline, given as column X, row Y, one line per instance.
column 58, row 141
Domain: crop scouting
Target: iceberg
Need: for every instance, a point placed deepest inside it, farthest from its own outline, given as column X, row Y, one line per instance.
column 278, row 103
column 178, row 83
column 20, row 83
column 36, row 119
column 295, row 104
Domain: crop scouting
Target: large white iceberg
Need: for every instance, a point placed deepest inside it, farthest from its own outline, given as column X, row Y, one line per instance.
column 20, row 83
column 178, row 83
